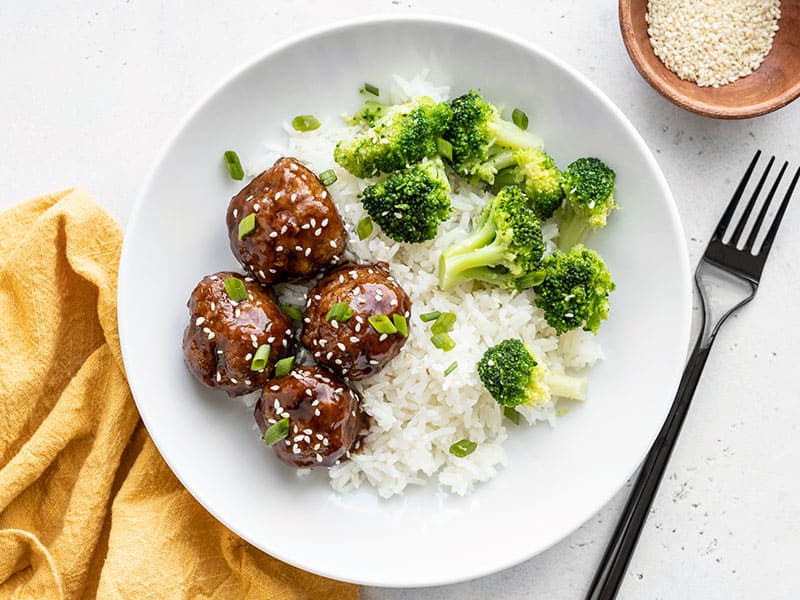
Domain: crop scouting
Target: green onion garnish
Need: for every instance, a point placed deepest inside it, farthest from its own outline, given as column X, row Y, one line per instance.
column 340, row 312
column 277, row 432
column 511, row 414
column 235, row 289
column 283, row 366
column 327, row 177
column 453, row 366
column 463, row 448
column 233, row 164
column 444, row 323
column 520, row 119
column 371, row 89
column 294, row 313
column 445, row 148
column 364, row 228
column 305, row 123
column 247, row 225
column 382, row 324
column 260, row 358
column 443, row 341
column 400, row 323
column 431, row 316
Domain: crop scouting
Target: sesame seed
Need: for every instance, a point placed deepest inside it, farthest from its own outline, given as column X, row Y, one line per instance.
column 318, row 232
column 307, row 431
column 373, row 362
column 335, row 324
column 235, row 212
column 325, row 442
column 354, row 339
column 316, row 446
column 296, row 449
column 288, row 442
column 329, row 355
column 338, row 361
column 275, row 388
column 273, row 271
column 317, row 354
column 284, row 229
column 382, row 337
column 261, row 275
column 308, row 251
column 324, row 194
column 306, row 319
column 271, row 421
column 278, row 248
column 213, row 307
column 256, row 207
column 199, row 321
column 270, row 339
column 294, row 197
column 219, row 377
column 309, row 393
column 273, row 234
column 278, row 195
column 341, row 346
column 305, row 226
column 319, row 457
column 248, row 356
column 332, row 243
column 298, row 248
column 234, row 381
column 323, row 342
column 325, row 220
column 316, row 403
column 211, row 335
column 285, row 415
column 237, row 313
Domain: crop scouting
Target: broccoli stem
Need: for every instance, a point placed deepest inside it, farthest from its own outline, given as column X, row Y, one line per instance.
column 508, row 135
column 502, row 160
column 454, row 268
column 567, row 386
column 572, row 228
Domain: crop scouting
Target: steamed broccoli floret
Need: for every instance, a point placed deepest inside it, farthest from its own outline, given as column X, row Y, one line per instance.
column 396, row 136
column 482, row 141
column 589, row 188
column 536, row 173
column 410, row 204
column 510, row 373
column 574, row 291
column 505, row 247
column 370, row 112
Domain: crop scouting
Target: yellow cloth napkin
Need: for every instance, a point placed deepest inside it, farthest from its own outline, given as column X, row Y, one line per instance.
column 87, row 506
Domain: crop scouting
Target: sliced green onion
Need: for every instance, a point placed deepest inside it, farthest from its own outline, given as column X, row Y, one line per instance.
column 453, row 366
column 305, row 123
column 444, row 323
column 327, row 177
column 247, row 225
column 520, row 119
column 443, row 341
column 371, row 89
column 382, row 324
column 511, row 414
column 364, row 228
column 234, row 165
column 400, row 323
column 445, row 148
column 277, row 432
column 294, row 313
column 431, row 316
column 235, row 289
column 260, row 358
column 340, row 312
column 463, row 448
column 283, row 366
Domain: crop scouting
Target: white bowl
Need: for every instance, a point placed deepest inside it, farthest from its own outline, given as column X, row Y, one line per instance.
column 556, row 477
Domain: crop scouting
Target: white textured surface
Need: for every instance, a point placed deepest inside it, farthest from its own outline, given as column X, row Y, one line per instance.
column 90, row 94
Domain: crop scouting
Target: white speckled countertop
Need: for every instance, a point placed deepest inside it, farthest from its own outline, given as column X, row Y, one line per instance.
column 90, row 93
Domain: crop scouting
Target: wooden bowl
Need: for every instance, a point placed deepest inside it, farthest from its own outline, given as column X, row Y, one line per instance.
column 773, row 85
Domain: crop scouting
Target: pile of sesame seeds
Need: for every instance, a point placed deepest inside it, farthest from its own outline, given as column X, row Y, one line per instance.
column 712, row 42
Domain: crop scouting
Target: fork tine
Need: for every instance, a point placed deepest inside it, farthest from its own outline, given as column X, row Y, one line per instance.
column 773, row 230
column 751, row 239
column 737, row 233
column 728, row 214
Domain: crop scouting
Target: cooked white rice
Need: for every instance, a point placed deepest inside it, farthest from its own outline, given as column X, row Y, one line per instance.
column 418, row 413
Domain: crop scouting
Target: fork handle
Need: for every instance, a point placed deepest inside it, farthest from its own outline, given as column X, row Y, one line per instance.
column 623, row 543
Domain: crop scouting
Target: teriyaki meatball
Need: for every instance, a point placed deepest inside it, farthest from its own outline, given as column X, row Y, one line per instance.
column 236, row 333
column 284, row 225
column 356, row 320
column 319, row 415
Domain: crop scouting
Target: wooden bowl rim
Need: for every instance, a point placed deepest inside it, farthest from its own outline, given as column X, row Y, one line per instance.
column 679, row 98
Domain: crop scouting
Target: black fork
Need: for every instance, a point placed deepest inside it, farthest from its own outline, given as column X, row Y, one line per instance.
column 731, row 268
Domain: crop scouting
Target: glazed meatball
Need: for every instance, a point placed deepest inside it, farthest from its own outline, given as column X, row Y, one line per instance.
column 324, row 415
column 296, row 229
column 224, row 336
column 353, row 347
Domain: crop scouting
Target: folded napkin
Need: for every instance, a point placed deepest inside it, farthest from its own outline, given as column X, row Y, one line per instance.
column 87, row 505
